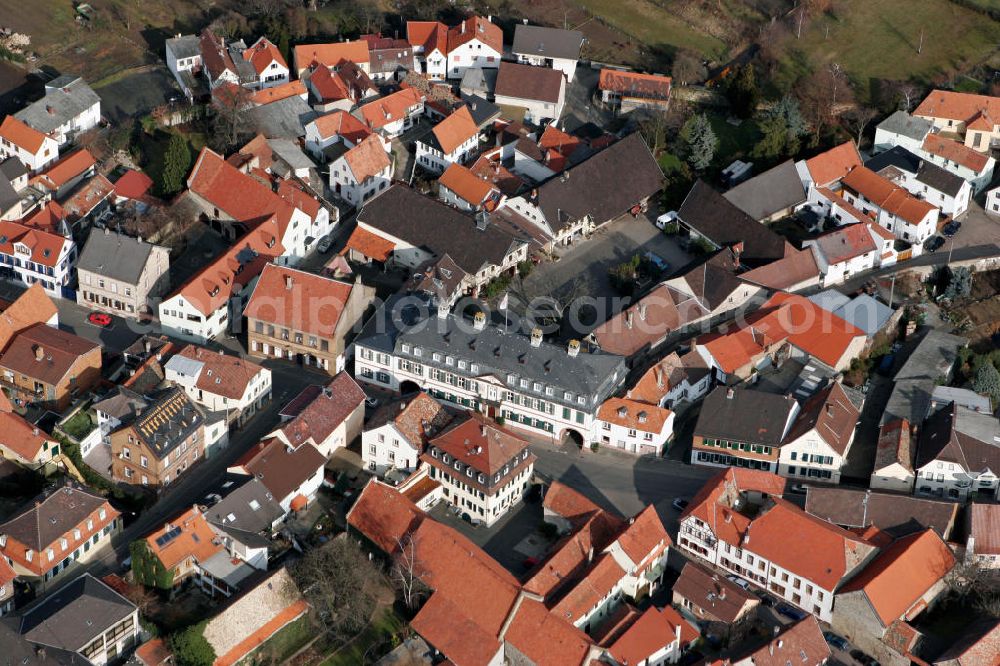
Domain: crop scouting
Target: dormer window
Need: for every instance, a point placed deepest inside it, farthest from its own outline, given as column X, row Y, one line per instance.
column 642, row 417
column 434, row 453
column 622, row 412
column 468, row 472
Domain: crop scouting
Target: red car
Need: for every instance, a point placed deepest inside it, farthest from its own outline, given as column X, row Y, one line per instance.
column 99, row 319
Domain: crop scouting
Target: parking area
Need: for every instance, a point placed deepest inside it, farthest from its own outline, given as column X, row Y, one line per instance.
column 582, row 270
column 978, row 229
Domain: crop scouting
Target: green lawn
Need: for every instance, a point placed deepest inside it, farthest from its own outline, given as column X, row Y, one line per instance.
column 78, row 426
column 735, row 142
column 154, row 148
column 380, row 631
column 655, row 26
column 285, row 643
column 878, row 39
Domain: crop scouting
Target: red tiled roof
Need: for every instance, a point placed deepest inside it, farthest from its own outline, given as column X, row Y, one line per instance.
column 428, row 34
column 414, row 418
column 280, row 467
column 796, row 267
column 887, row 195
column 831, row 414
column 634, row 84
column 48, row 218
column 241, row 197
column 21, row 135
column 568, row 503
column 959, row 106
column 845, row 243
column 481, row 444
column 650, row 633
column 901, row 574
column 262, row 53
column 570, row 557
column 20, row 437
column 713, row 504
column 662, row 310
column 805, row 637
column 331, row 54
column 832, row 165
column 133, row 185
column 294, row 193
column 546, row 639
column 343, row 124
column 633, row 414
column 391, row 108
column 644, row 537
column 465, row 184
column 384, row 516
column 33, row 306
column 956, row 152
column 455, row 130
column 296, row 88
column 60, row 351
column 223, row 374
column 298, row 300
column 475, row 27
column 591, row 589
column 154, row 652
column 195, row 540
column 668, row 373
column 367, row 159
column 369, row 244
column 985, row 527
column 329, row 407
column 492, row 170
column 454, row 631
column 67, row 168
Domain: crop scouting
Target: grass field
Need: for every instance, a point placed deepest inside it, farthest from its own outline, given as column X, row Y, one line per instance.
column 878, row 39
column 735, row 141
column 387, row 624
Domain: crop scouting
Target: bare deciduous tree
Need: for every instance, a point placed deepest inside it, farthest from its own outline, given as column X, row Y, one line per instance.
column 688, row 68
column 231, row 124
column 407, row 571
column 858, row 120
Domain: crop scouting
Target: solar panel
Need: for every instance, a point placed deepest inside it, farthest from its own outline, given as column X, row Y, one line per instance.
column 171, row 534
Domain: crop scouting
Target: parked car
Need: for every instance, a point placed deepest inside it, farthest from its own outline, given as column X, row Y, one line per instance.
column 739, row 581
column 657, row 261
column 102, row 319
column 790, row 611
column 951, row 228
column 836, row 641
column 325, row 243
column 665, row 219
column 934, row 244
column 679, row 503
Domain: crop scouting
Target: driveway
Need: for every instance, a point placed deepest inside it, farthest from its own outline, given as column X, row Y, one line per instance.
column 582, row 270
column 401, row 148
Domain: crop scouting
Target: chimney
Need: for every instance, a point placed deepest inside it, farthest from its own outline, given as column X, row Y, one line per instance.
column 147, row 345
column 730, row 392
column 573, row 348
column 536, row 337
column 51, row 111
column 463, row 27
column 479, row 321
column 288, row 282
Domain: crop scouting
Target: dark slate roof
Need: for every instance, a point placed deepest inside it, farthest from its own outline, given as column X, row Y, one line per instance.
column 504, row 355
column 12, row 168
column 8, row 196
column 115, row 256
column 65, row 98
column 932, row 358
column 604, row 186
column 169, row 419
column 18, row 651
column 926, row 172
column 774, row 190
column 249, row 508
column 424, row 222
column 284, row 119
column 951, row 434
column 482, row 111
column 547, row 42
column 50, row 516
column 899, row 515
column 712, row 215
column 748, row 416
column 903, row 123
column 76, row 613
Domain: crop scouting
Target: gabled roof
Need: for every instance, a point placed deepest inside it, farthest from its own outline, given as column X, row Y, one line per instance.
column 321, row 410
column 133, row 184
column 215, row 372
column 945, row 437
column 367, row 159
column 635, row 84
column 902, row 123
column 745, row 415
column 279, row 92
column 667, row 374
column 831, row 415
column 76, row 613
column 898, row 515
column 832, row 165
column 53, row 516
column 20, row 437
column 887, row 195
column 238, row 195
column 279, row 466
column 116, row 256
column 547, row 42
column 633, row 414
column 649, row 320
column 979, row 645
column 21, row 135
column 649, row 634
column 44, row 353
column 455, row 130
column 168, row 420
column 777, row 189
column 262, row 53
column 33, row 306
column 568, row 503
column 343, row 124
column 712, row 215
column 797, row 268
column 570, row 557
column 475, row 27
column 714, row 503
column 429, row 35
column 415, row 418
column 71, row 166
column 546, row 639
column 250, row 508
column 902, row 573
column 954, row 151
column 331, row 54
column 713, row 593
column 66, row 97
column 481, row 444
column 953, row 105
column 894, row 445
column 529, row 82
column 800, row 643
column 391, row 108
column 298, row 300
column 984, row 527
column 384, row 516
column 466, row 185
column 846, row 243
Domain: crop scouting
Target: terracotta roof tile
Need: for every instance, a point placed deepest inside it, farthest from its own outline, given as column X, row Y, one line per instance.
column 887, row 195
column 331, row 54
column 262, row 53
column 343, row 124
column 568, row 503
column 653, row 630
column 280, row 467
column 801, row 643
column 133, row 185
column 475, row 27
column 60, row 351
column 648, row 321
column 455, row 130
column 45, row 246
column 845, row 243
column 570, row 557
column 956, row 152
column 832, row 165
column 187, row 536
column 958, row 106
column 713, row 504
column 154, row 652
column 901, row 574
column 298, row 300
column 415, row 418
column 633, row 414
column 634, row 84
column 466, row 185
column 831, row 414
column 713, row 593
column 594, row 586
column 329, row 407
column 24, row 439
column 277, row 93
column 384, row 516
column 391, row 108
column 667, row 374
column 428, row 34
column 529, row 82
column 482, row 444
column 369, row 244
column 21, row 135
column 222, row 374
column 985, row 528
column 644, row 537
column 546, row 639
column 67, row 168
column 367, row 159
